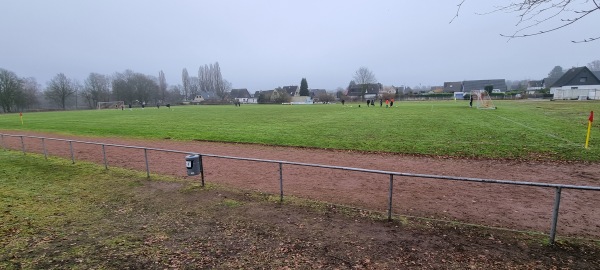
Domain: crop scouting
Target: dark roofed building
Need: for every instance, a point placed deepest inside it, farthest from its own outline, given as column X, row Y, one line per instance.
column 293, row 90
column 266, row 94
column 535, row 84
column 547, row 82
column 577, row 76
column 450, row 87
column 239, row 93
column 207, row 95
column 316, row 92
column 577, row 83
column 369, row 89
column 499, row 84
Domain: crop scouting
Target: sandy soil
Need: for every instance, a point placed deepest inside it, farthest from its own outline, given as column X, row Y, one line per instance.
column 514, row 207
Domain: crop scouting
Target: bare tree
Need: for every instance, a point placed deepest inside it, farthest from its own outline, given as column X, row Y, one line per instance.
column 96, row 88
column 185, row 80
column 78, row 88
column 219, row 83
column 59, row 89
column 174, row 94
column 162, row 86
column 10, row 90
column 594, row 65
column 226, row 89
column 31, row 89
column 121, row 88
column 326, row 97
column 194, row 86
column 211, row 80
column 533, row 14
column 130, row 86
column 339, row 92
column 364, row 76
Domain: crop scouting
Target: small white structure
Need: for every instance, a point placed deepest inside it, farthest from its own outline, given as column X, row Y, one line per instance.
column 301, row 100
column 250, row 100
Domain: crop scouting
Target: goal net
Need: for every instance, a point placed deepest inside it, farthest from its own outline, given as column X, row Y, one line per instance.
column 483, row 99
column 110, row 105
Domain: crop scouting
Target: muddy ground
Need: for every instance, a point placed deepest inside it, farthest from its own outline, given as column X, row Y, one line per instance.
column 255, row 235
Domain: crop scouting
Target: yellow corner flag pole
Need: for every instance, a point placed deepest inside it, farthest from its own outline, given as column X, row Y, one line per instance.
column 590, row 120
column 21, row 116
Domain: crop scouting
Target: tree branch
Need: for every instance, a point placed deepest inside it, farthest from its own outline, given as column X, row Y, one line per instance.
column 533, row 13
column 457, row 10
column 567, row 23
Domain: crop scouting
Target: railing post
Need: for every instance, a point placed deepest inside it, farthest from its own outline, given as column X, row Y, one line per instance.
column 104, row 156
column 280, row 182
column 390, row 197
column 72, row 155
column 2, row 141
column 44, row 149
column 201, row 170
column 555, row 215
column 147, row 166
column 22, row 145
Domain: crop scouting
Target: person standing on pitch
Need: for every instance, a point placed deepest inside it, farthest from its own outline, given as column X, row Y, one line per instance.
column 470, row 101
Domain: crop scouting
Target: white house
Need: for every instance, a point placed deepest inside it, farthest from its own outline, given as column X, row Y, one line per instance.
column 577, row 83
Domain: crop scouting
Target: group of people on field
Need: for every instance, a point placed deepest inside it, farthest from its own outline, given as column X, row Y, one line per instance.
column 371, row 102
column 388, row 102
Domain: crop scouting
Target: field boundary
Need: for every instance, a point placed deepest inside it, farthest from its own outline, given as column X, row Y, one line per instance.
column 557, row 187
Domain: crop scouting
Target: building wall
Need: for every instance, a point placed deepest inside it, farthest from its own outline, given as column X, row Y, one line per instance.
column 567, row 91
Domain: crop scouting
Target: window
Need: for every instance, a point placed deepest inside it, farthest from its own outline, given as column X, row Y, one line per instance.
column 583, row 79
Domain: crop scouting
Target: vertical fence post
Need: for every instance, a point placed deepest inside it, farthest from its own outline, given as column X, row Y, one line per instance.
column 104, row 156
column 555, row 215
column 2, row 141
column 390, row 197
column 201, row 171
column 72, row 155
column 147, row 166
column 22, row 145
column 44, row 149
column 280, row 182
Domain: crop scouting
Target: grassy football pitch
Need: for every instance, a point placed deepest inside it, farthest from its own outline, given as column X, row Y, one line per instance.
column 547, row 130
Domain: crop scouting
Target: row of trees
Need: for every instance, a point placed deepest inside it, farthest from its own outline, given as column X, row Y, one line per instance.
column 17, row 94
column 209, row 81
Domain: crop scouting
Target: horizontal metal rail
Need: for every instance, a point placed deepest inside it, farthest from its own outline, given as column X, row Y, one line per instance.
column 430, row 176
column 557, row 187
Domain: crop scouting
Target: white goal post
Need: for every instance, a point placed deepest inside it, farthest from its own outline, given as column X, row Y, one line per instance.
column 483, row 99
column 111, row 105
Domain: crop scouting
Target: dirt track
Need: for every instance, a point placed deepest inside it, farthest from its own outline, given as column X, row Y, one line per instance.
column 514, row 207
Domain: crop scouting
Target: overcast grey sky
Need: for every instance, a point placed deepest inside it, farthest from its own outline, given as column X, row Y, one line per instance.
column 262, row 44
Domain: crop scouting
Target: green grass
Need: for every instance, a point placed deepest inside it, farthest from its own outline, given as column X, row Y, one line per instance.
column 547, row 130
column 39, row 199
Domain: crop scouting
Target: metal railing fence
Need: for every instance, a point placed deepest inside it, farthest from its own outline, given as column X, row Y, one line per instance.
column 557, row 187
